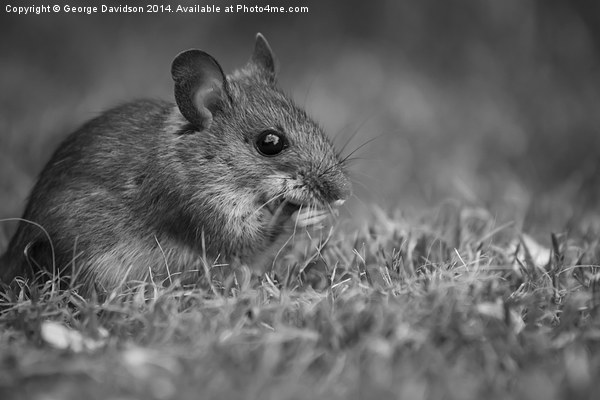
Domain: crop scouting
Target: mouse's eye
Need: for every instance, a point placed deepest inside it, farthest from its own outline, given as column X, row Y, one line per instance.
column 270, row 142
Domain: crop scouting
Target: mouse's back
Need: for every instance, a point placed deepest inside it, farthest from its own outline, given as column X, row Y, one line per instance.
column 87, row 187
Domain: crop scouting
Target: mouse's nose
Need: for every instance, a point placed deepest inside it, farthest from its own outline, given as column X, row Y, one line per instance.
column 342, row 190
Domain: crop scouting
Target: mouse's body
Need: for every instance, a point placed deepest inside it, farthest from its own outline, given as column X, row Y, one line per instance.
column 146, row 190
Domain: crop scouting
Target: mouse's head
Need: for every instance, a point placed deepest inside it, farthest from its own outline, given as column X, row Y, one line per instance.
column 254, row 139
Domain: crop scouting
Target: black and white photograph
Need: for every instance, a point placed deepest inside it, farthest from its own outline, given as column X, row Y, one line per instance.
column 299, row 199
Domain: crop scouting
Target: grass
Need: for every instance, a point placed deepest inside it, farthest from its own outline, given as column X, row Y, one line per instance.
column 451, row 305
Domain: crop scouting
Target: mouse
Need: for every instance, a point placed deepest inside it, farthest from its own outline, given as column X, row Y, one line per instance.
column 151, row 189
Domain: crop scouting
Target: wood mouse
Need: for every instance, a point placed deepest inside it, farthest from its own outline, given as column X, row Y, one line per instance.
column 148, row 189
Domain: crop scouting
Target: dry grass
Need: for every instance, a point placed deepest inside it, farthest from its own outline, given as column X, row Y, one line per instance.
column 448, row 306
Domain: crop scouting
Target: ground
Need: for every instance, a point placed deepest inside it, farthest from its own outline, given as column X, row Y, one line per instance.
column 450, row 305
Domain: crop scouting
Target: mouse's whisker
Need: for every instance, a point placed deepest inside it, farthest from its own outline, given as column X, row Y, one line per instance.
column 367, row 142
column 272, row 199
column 332, row 212
column 296, row 221
column 352, row 159
column 353, row 134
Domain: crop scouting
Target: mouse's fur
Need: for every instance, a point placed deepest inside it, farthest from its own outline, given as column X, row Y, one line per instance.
column 146, row 189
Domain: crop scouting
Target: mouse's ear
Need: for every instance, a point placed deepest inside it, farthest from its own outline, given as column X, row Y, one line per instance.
column 264, row 59
column 200, row 86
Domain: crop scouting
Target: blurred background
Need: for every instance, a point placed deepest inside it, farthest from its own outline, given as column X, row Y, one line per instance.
column 481, row 102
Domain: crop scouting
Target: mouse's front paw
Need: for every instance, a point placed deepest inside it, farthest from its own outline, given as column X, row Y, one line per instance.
column 309, row 217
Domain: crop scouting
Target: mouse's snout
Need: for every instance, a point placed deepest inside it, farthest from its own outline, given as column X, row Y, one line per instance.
column 340, row 189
